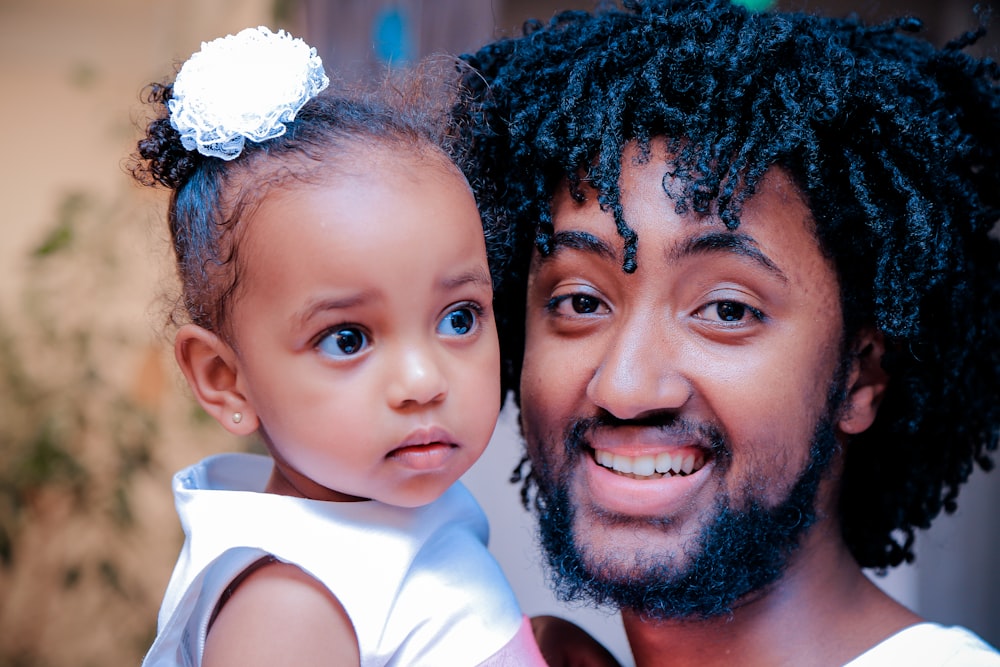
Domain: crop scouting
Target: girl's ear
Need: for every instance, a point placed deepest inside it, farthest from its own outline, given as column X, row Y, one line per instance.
column 866, row 384
column 211, row 368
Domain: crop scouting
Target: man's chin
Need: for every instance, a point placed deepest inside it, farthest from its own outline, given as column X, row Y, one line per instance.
column 620, row 566
column 614, row 547
column 666, row 572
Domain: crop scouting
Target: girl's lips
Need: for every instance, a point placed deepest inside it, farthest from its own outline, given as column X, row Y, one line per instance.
column 423, row 457
column 426, row 435
column 426, row 448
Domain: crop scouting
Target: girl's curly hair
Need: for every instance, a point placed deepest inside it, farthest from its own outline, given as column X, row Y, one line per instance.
column 210, row 197
column 895, row 144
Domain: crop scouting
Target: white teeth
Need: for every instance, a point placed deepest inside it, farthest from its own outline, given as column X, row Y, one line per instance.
column 644, row 465
column 649, row 466
column 622, row 463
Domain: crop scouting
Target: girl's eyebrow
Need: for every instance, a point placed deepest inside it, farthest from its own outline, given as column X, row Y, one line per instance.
column 478, row 276
column 726, row 242
column 317, row 306
column 475, row 276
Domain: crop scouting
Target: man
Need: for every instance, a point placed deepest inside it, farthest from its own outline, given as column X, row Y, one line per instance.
column 753, row 284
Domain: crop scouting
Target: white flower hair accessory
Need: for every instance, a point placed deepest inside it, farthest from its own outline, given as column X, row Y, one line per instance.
column 243, row 86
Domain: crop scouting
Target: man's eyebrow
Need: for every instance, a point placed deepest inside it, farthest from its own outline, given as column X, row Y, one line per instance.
column 585, row 241
column 735, row 243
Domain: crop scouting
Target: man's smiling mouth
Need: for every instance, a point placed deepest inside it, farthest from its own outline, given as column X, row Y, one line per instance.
column 650, row 466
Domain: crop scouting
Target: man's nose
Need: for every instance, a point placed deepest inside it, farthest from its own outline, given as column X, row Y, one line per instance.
column 639, row 372
column 416, row 378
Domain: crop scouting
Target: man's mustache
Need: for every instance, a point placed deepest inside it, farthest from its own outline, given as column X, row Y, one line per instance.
column 706, row 435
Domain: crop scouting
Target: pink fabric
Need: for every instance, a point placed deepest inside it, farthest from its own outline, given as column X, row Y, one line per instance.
column 521, row 651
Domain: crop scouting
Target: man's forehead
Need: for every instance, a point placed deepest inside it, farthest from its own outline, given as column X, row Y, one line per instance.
column 675, row 172
column 650, row 176
column 652, row 213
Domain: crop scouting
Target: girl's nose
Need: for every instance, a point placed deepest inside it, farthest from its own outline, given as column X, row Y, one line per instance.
column 416, row 379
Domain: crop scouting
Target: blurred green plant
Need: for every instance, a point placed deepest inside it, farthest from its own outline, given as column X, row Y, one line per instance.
column 71, row 437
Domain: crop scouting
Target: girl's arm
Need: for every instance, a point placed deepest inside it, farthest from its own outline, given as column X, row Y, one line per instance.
column 277, row 615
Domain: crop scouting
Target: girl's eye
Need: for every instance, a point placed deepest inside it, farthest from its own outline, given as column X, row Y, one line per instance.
column 458, row 322
column 343, row 342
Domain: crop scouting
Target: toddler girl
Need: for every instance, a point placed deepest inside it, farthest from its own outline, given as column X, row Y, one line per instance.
column 336, row 284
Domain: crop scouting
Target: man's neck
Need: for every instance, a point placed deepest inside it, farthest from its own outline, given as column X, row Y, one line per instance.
column 823, row 611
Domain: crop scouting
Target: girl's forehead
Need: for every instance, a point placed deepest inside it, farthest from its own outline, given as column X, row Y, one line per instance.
column 361, row 235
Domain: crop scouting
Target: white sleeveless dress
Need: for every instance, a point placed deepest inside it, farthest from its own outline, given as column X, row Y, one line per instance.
column 418, row 583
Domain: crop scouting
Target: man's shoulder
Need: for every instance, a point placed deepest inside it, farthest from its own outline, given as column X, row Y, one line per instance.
column 930, row 645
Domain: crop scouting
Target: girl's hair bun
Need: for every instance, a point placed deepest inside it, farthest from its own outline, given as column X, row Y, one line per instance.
column 163, row 159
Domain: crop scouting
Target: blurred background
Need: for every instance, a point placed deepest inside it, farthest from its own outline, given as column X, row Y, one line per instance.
column 94, row 418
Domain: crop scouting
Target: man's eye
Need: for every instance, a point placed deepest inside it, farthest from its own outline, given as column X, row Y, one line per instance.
column 343, row 342
column 458, row 322
column 568, row 305
column 731, row 312
column 584, row 304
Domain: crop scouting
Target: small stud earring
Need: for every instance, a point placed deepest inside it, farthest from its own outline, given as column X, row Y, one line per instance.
column 237, row 417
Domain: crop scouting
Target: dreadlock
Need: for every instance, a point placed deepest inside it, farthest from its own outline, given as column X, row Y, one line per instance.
column 894, row 143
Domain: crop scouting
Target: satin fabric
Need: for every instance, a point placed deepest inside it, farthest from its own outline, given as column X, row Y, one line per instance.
column 419, row 585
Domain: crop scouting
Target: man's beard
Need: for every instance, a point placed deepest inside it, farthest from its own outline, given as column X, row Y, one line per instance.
column 741, row 550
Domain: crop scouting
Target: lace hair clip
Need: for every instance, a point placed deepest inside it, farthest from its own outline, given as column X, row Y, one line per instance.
column 243, row 86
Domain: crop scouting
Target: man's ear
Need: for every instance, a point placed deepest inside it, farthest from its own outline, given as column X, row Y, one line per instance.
column 211, row 368
column 866, row 383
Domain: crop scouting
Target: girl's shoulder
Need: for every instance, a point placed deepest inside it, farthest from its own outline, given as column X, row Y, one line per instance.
column 277, row 611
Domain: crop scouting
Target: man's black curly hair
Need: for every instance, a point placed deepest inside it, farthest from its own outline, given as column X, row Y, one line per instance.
column 894, row 142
